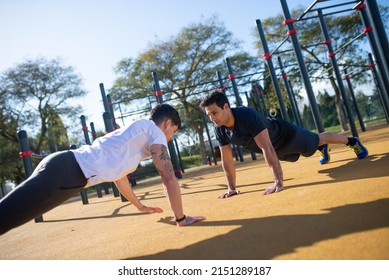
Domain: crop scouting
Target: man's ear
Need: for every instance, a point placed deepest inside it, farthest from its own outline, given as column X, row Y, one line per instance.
column 168, row 123
column 225, row 106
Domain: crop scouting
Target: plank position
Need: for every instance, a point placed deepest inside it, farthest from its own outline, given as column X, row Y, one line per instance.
column 274, row 138
column 110, row 158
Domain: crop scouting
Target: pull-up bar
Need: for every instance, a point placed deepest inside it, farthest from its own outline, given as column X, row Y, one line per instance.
column 310, row 9
column 290, row 50
column 279, row 46
column 327, row 14
column 351, row 41
column 334, row 6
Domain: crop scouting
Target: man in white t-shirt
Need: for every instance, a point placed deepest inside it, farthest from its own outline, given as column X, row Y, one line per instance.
column 110, row 158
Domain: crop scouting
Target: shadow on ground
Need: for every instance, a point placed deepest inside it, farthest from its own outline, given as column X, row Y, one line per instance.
column 267, row 238
column 373, row 166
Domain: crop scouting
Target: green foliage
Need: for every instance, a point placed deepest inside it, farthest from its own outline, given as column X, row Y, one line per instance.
column 11, row 168
column 307, row 118
column 342, row 27
column 370, row 107
column 327, row 109
column 34, row 96
column 191, row 161
column 183, row 63
column 35, row 93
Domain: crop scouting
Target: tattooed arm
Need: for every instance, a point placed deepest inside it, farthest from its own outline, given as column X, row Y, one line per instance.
column 165, row 168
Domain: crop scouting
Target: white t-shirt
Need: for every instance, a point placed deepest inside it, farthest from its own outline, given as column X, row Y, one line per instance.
column 118, row 153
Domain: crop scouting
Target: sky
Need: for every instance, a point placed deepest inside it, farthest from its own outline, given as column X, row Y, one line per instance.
column 92, row 36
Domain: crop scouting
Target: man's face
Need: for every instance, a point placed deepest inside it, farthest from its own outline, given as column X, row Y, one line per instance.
column 217, row 115
column 170, row 129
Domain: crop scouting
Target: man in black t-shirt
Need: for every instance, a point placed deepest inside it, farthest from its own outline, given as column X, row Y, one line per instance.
column 274, row 138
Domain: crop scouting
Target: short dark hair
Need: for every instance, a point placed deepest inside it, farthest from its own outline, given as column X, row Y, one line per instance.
column 162, row 112
column 217, row 97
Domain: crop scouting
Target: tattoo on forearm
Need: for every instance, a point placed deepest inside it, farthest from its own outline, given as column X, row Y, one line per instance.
column 164, row 154
column 168, row 164
column 169, row 167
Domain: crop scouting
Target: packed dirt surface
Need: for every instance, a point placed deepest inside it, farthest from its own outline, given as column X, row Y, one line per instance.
column 335, row 211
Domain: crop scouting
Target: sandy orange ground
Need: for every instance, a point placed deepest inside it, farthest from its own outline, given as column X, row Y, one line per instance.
column 334, row 211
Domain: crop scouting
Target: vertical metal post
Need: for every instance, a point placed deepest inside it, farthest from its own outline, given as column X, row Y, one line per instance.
column 381, row 90
column 293, row 102
column 98, row 187
column 267, row 56
column 255, row 92
column 110, row 107
column 303, row 70
column 108, row 122
column 173, row 155
column 350, row 87
column 104, row 97
column 108, row 128
column 231, row 77
column 25, row 154
column 174, row 159
column 93, row 130
column 249, row 100
column 85, row 130
column 209, row 137
column 179, row 155
column 338, row 76
column 380, row 32
column 219, row 77
column 374, row 46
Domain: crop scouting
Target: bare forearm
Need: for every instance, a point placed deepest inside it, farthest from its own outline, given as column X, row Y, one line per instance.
column 174, row 196
column 230, row 173
column 263, row 141
column 275, row 167
column 126, row 190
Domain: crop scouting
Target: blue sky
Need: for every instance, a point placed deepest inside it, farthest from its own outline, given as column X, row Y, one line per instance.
column 94, row 35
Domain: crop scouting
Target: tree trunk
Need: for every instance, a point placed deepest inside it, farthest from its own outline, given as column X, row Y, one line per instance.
column 199, row 127
column 203, row 150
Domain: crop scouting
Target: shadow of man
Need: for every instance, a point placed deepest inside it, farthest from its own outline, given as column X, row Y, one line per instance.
column 267, row 238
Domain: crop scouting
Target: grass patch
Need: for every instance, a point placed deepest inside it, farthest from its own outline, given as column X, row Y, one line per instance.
column 191, row 161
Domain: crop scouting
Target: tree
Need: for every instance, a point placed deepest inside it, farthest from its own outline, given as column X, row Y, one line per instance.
column 11, row 167
column 343, row 28
column 34, row 95
column 185, row 63
column 307, row 118
column 327, row 109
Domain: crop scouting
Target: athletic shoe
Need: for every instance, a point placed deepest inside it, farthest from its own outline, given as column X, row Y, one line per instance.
column 324, row 154
column 359, row 149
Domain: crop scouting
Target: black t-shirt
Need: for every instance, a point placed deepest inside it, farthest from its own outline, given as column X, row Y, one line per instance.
column 248, row 123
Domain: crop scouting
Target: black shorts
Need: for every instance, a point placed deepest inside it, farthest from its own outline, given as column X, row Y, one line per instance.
column 304, row 142
column 57, row 178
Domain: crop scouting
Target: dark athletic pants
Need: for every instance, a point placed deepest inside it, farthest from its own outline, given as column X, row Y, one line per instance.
column 57, row 178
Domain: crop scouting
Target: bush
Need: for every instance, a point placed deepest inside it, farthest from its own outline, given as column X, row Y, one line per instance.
column 191, row 161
